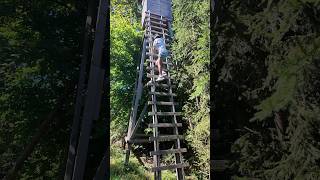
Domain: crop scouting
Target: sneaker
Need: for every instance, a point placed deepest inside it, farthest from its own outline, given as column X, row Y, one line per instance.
column 164, row 73
column 160, row 78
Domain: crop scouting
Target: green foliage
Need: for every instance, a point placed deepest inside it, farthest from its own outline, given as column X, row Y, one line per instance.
column 125, row 50
column 191, row 52
column 39, row 53
column 270, row 52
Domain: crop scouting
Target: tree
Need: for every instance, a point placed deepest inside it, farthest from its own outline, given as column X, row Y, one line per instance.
column 267, row 59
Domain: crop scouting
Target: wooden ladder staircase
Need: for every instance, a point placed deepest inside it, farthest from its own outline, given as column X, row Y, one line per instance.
column 156, row 24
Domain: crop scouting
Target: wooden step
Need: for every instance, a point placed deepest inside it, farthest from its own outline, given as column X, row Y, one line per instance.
column 160, row 85
column 164, row 113
column 154, row 54
column 162, row 94
column 148, row 41
column 157, row 17
column 159, row 28
column 174, row 166
column 166, row 137
column 165, row 125
column 156, row 76
column 168, row 40
column 163, row 103
column 140, row 141
column 169, row 151
column 154, row 14
column 157, row 32
column 142, row 135
column 163, row 62
column 155, row 68
column 155, row 23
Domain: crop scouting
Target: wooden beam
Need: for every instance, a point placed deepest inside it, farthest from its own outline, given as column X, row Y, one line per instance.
column 174, row 166
column 166, row 137
column 163, row 103
column 162, row 94
column 94, row 93
column 138, row 121
column 89, row 26
column 169, row 151
column 165, row 125
column 165, row 113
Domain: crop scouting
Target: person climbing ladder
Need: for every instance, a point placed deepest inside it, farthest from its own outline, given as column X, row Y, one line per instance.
column 159, row 48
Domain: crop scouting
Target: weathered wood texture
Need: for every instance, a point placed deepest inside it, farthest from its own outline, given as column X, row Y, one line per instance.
column 157, row 7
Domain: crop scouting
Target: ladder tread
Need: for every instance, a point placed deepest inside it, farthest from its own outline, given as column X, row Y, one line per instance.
column 160, row 85
column 154, row 14
column 157, row 27
column 157, row 32
column 166, row 137
column 154, row 54
column 164, row 113
column 163, row 103
column 168, row 151
column 173, row 166
column 165, row 125
column 139, row 141
column 156, row 69
column 154, row 22
column 162, row 94
column 156, row 76
column 163, row 62
column 157, row 17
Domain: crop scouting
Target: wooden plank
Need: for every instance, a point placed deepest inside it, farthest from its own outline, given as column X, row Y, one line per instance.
column 154, row 54
column 163, row 62
column 163, row 94
column 163, row 103
column 160, row 85
column 80, row 95
column 156, row 76
column 169, row 151
column 155, row 68
column 94, row 91
column 138, row 93
column 148, row 35
column 160, row 31
column 156, row 23
column 174, row 166
column 154, row 14
column 166, row 138
column 165, row 113
column 157, row 19
column 142, row 135
column 139, row 141
column 159, row 28
column 151, row 41
column 165, row 125
column 138, row 121
column 156, row 159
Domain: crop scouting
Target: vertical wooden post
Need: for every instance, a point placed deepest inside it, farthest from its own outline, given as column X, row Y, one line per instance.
column 80, row 96
column 94, row 93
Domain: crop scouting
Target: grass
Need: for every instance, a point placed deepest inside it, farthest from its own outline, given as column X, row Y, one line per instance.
column 133, row 171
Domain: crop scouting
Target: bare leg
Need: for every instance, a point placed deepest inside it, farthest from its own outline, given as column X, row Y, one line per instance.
column 159, row 64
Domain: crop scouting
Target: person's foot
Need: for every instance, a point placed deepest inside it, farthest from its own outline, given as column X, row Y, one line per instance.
column 164, row 73
column 149, row 82
column 160, row 78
